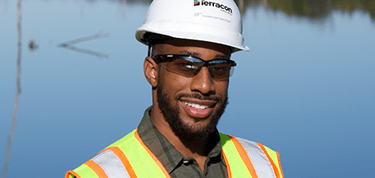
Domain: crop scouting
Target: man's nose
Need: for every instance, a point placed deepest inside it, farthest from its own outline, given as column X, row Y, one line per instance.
column 203, row 82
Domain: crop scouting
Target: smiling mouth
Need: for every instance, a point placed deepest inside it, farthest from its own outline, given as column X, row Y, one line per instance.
column 196, row 106
column 198, row 111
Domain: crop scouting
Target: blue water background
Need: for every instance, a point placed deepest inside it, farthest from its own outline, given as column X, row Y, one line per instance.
column 306, row 87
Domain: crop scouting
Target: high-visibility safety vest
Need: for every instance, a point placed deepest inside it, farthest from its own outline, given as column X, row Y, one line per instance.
column 129, row 157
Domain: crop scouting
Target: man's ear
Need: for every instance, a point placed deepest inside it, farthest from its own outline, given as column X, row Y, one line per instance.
column 150, row 68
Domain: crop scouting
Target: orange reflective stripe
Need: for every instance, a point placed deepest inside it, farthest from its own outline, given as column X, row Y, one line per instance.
column 96, row 168
column 67, row 175
column 278, row 160
column 244, row 156
column 271, row 161
column 228, row 167
column 152, row 155
column 123, row 159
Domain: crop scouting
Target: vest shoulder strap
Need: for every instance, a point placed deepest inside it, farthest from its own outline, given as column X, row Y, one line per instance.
column 127, row 157
column 274, row 158
column 247, row 157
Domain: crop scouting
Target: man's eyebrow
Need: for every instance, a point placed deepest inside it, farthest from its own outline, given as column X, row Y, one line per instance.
column 190, row 53
column 195, row 54
column 219, row 56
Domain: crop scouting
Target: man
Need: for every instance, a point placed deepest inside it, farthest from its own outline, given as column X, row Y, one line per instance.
column 188, row 67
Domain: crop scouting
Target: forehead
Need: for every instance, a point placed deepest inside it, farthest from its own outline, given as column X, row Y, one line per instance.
column 204, row 50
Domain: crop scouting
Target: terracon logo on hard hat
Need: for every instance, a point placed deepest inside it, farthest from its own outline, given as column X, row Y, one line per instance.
column 212, row 4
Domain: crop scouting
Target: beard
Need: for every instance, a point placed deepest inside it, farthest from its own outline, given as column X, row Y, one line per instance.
column 182, row 130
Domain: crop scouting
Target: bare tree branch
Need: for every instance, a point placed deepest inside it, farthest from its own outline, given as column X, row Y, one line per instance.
column 88, row 38
column 18, row 92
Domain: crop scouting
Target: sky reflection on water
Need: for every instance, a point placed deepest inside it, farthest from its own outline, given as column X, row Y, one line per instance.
column 305, row 88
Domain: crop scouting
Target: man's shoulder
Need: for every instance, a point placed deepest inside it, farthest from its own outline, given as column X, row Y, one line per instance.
column 111, row 155
column 252, row 144
column 248, row 145
column 244, row 142
column 123, row 140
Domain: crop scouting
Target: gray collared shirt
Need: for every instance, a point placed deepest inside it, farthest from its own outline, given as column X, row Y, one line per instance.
column 174, row 162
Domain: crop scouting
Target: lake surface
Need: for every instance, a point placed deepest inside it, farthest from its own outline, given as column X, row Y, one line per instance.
column 306, row 87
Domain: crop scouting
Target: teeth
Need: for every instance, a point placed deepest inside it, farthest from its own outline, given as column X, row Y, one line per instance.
column 196, row 106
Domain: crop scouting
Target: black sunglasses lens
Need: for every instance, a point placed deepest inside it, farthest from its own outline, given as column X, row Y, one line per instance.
column 220, row 70
column 189, row 67
column 183, row 67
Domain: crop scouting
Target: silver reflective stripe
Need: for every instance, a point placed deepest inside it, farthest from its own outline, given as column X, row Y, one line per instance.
column 262, row 166
column 111, row 164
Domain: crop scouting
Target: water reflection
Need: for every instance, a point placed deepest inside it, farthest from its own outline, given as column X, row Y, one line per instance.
column 18, row 92
column 319, row 9
column 311, row 9
column 69, row 44
column 32, row 45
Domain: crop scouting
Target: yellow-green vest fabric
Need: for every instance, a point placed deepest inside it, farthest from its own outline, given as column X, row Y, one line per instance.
column 129, row 157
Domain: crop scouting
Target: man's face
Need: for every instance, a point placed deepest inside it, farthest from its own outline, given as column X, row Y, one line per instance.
column 192, row 106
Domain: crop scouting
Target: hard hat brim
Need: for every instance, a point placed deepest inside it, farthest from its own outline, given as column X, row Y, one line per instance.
column 191, row 31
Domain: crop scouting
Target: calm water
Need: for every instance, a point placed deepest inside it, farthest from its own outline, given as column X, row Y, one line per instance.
column 305, row 89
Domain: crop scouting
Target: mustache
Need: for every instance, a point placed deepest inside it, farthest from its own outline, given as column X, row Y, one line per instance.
column 198, row 96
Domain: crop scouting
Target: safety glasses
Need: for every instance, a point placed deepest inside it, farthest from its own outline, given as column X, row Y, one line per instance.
column 189, row 66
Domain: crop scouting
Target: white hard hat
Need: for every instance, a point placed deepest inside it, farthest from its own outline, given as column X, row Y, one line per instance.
column 216, row 21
